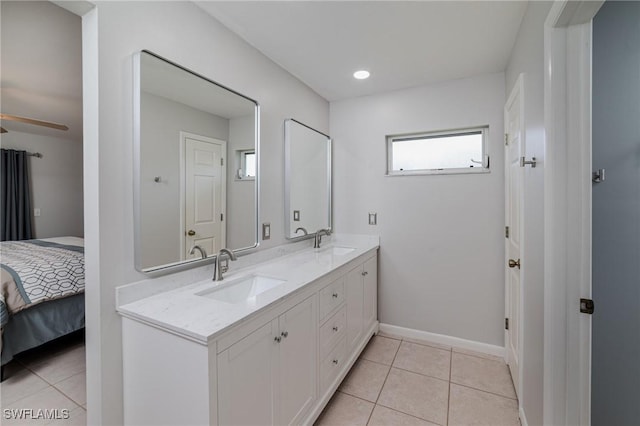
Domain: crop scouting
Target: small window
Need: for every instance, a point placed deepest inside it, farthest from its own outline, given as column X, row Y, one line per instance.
column 453, row 151
column 246, row 165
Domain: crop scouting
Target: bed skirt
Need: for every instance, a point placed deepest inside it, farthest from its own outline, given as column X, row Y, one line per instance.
column 42, row 323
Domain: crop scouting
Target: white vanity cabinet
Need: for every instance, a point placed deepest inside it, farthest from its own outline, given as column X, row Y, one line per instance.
column 370, row 308
column 279, row 366
column 362, row 300
column 270, row 374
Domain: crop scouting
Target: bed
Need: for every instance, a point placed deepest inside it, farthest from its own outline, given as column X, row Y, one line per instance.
column 41, row 292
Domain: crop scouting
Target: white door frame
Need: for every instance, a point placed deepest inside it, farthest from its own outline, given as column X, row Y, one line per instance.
column 516, row 90
column 223, row 182
column 567, row 211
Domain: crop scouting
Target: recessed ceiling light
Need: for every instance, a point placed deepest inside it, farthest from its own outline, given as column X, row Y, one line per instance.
column 361, row 75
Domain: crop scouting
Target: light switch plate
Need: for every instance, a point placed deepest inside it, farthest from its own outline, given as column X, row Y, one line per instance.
column 36, row 212
column 266, row 231
column 373, row 218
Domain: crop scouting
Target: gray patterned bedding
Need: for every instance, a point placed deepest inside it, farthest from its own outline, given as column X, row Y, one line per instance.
column 35, row 271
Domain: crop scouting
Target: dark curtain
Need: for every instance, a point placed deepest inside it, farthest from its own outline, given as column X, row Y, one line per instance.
column 15, row 196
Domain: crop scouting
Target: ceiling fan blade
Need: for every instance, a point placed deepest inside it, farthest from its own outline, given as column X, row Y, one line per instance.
column 33, row 121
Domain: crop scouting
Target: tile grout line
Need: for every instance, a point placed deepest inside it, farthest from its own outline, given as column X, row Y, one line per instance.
column 410, row 415
column 411, row 371
column 422, row 374
column 388, row 408
column 385, row 381
column 485, row 391
column 42, row 390
column 31, row 394
column 62, row 392
column 49, row 384
column 461, row 351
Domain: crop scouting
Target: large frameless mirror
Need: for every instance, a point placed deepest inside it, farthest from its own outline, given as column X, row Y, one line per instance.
column 196, row 161
column 307, row 179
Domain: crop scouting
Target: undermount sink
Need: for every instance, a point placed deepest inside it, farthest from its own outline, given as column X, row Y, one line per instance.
column 339, row 251
column 242, row 289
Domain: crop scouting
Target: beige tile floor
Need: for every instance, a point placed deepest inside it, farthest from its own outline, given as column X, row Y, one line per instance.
column 52, row 377
column 408, row 382
column 395, row 382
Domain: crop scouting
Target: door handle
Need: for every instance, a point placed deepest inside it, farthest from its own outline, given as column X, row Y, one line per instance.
column 191, row 232
column 514, row 263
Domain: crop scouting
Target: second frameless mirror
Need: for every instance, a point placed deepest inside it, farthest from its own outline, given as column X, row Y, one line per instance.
column 197, row 151
column 307, row 179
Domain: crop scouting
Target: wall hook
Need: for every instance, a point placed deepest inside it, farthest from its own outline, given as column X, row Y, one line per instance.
column 532, row 162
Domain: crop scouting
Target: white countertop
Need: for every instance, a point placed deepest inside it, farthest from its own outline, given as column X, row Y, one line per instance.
column 183, row 311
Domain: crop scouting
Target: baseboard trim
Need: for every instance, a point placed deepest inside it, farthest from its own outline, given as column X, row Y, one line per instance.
column 442, row 339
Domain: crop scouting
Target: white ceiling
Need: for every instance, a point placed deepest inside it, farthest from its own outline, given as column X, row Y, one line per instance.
column 402, row 43
column 41, row 67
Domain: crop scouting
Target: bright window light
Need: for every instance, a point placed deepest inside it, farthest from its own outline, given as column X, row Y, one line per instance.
column 246, row 165
column 457, row 151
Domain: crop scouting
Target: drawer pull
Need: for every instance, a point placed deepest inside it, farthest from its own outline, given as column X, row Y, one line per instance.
column 285, row 334
column 335, row 361
column 364, row 273
column 335, row 328
column 335, row 295
column 277, row 339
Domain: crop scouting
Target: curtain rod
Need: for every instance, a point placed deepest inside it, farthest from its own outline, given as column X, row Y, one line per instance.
column 31, row 154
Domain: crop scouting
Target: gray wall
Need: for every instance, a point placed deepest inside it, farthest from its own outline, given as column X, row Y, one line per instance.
column 56, row 182
column 441, row 236
column 181, row 32
column 161, row 121
column 616, row 215
column 241, row 215
column 528, row 57
column 40, row 70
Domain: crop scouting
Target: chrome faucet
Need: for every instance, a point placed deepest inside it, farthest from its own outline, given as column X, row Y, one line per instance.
column 221, row 266
column 303, row 230
column 203, row 253
column 318, row 237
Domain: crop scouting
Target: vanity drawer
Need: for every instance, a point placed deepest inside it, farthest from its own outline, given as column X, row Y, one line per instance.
column 331, row 297
column 333, row 330
column 332, row 364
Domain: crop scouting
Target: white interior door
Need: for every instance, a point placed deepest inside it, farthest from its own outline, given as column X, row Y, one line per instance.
column 204, row 193
column 514, row 149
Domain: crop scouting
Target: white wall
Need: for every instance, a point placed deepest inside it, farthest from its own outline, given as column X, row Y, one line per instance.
column 56, row 182
column 181, row 32
column 442, row 236
column 528, row 57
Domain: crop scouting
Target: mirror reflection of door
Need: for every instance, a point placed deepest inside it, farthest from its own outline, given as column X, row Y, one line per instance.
column 171, row 105
column 204, row 194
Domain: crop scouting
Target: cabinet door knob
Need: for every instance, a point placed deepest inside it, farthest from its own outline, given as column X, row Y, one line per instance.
column 277, row 339
column 191, row 233
column 335, row 328
column 335, row 295
column 335, row 361
column 285, row 334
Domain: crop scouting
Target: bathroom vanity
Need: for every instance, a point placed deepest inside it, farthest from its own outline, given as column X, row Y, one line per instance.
column 268, row 345
column 271, row 342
